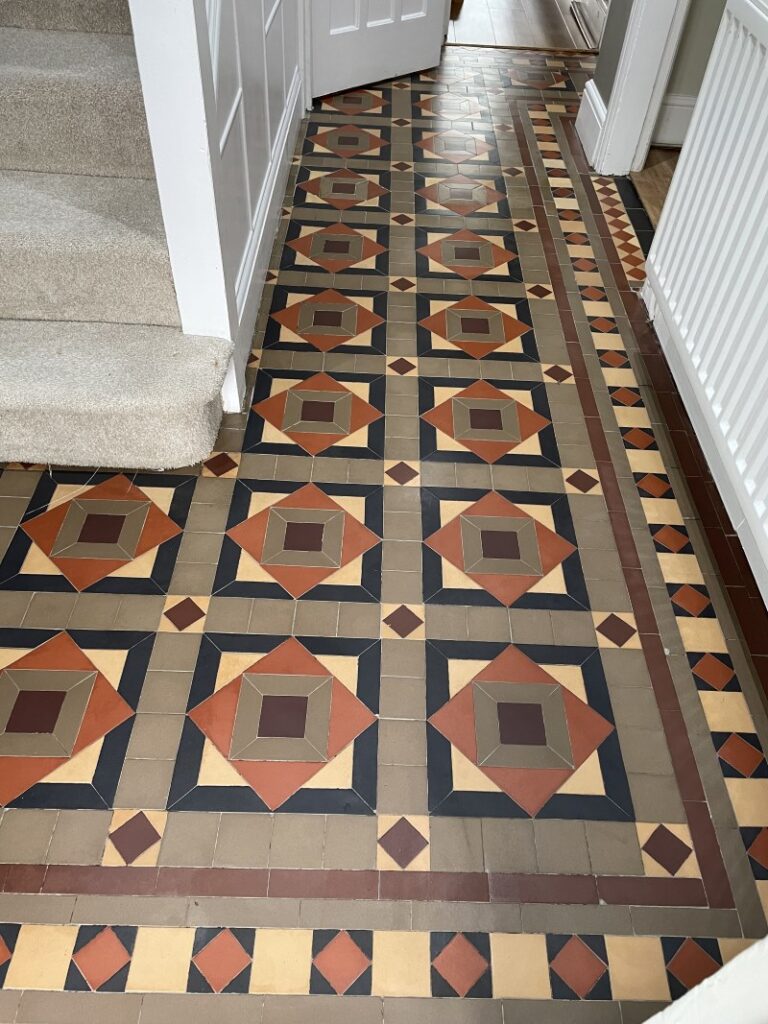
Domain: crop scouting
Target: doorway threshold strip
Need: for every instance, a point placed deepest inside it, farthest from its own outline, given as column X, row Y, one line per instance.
column 356, row 962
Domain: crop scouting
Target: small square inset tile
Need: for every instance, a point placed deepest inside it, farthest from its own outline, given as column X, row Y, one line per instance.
column 582, row 481
column 461, row 964
column 667, row 850
column 223, row 465
column 184, row 614
column 101, row 959
column 221, row 960
column 403, row 843
column 401, row 474
column 341, row 962
column 402, row 621
column 134, row 838
column 689, row 961
column 616, row 630
column 578, row 967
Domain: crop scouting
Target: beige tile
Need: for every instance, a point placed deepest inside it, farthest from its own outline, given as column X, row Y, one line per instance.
column 189, row 839
column 456, row 844
column 401, row 964
column 402, row 742
column 561, row 847
column 282, row 961
column 161, row 959
column 76, row 1008
column 519, row 967
column 508, row 845
column 350, row 842
column 41, row 957
column 144, row 784
column 297, row 841
column 25, row 835
column 155, row 736
column 243, row 841
column 79, row 837
column 402, row 790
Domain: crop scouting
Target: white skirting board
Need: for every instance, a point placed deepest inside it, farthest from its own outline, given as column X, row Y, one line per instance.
column 674, row 118
column 720, row 460
column 590, row 120
column 250, row 280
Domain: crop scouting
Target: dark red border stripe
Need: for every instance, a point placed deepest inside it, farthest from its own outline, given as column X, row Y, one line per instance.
column 437, row 886
column 681, row 753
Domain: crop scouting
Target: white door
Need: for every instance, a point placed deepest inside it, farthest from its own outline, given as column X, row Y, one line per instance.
column 357, row 42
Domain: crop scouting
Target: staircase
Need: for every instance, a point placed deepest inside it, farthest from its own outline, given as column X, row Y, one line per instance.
column 94, row 369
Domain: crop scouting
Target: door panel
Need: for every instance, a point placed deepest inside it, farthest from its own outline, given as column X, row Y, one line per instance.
column 357, row 42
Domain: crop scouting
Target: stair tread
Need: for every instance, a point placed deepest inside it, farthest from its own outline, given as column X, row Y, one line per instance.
column 99, row 56
column 43, row 204
column 108, row 395
column 67, row 15
column 61, row 363
column 71, row 103
column 78, row 247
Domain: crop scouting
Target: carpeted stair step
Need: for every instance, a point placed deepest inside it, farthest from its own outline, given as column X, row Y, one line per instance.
column 108, row 395
column 83, row 248
column 71, row 102
column 67, row 15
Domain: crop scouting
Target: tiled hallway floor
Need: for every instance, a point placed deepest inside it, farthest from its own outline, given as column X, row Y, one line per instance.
column 420, row 700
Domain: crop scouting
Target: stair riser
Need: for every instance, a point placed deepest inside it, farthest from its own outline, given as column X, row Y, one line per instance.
column 110, row 16
column 74, row 127
column 58, row 436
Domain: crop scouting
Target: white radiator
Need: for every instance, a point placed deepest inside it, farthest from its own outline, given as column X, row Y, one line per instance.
column 707, row 288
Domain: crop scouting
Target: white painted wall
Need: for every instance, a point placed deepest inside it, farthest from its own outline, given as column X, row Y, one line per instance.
column 707, row 288
column 222, row 82
column 688, row 69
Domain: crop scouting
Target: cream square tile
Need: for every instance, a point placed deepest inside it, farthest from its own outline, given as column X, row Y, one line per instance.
column 282, row 961
column 726, row 712
column 637, row 967
column 161, row 959
column 41, row 958
column 401, row 964
column 520, row 968
column 749, row 798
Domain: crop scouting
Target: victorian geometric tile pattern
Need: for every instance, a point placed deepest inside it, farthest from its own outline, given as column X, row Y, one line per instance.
column 422, row 685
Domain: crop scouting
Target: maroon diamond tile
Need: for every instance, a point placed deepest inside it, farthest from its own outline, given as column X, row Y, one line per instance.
column 667, row 849
column 184, row 614
column 616, row 630
column 134, row 837
column 403, row 284
column 403, row 842
column 402, row 366
column 403, row 621
column 220, row 464
column 582, row 481
column 402, row 473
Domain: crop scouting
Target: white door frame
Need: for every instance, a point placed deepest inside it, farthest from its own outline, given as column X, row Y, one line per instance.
column 616, row 137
